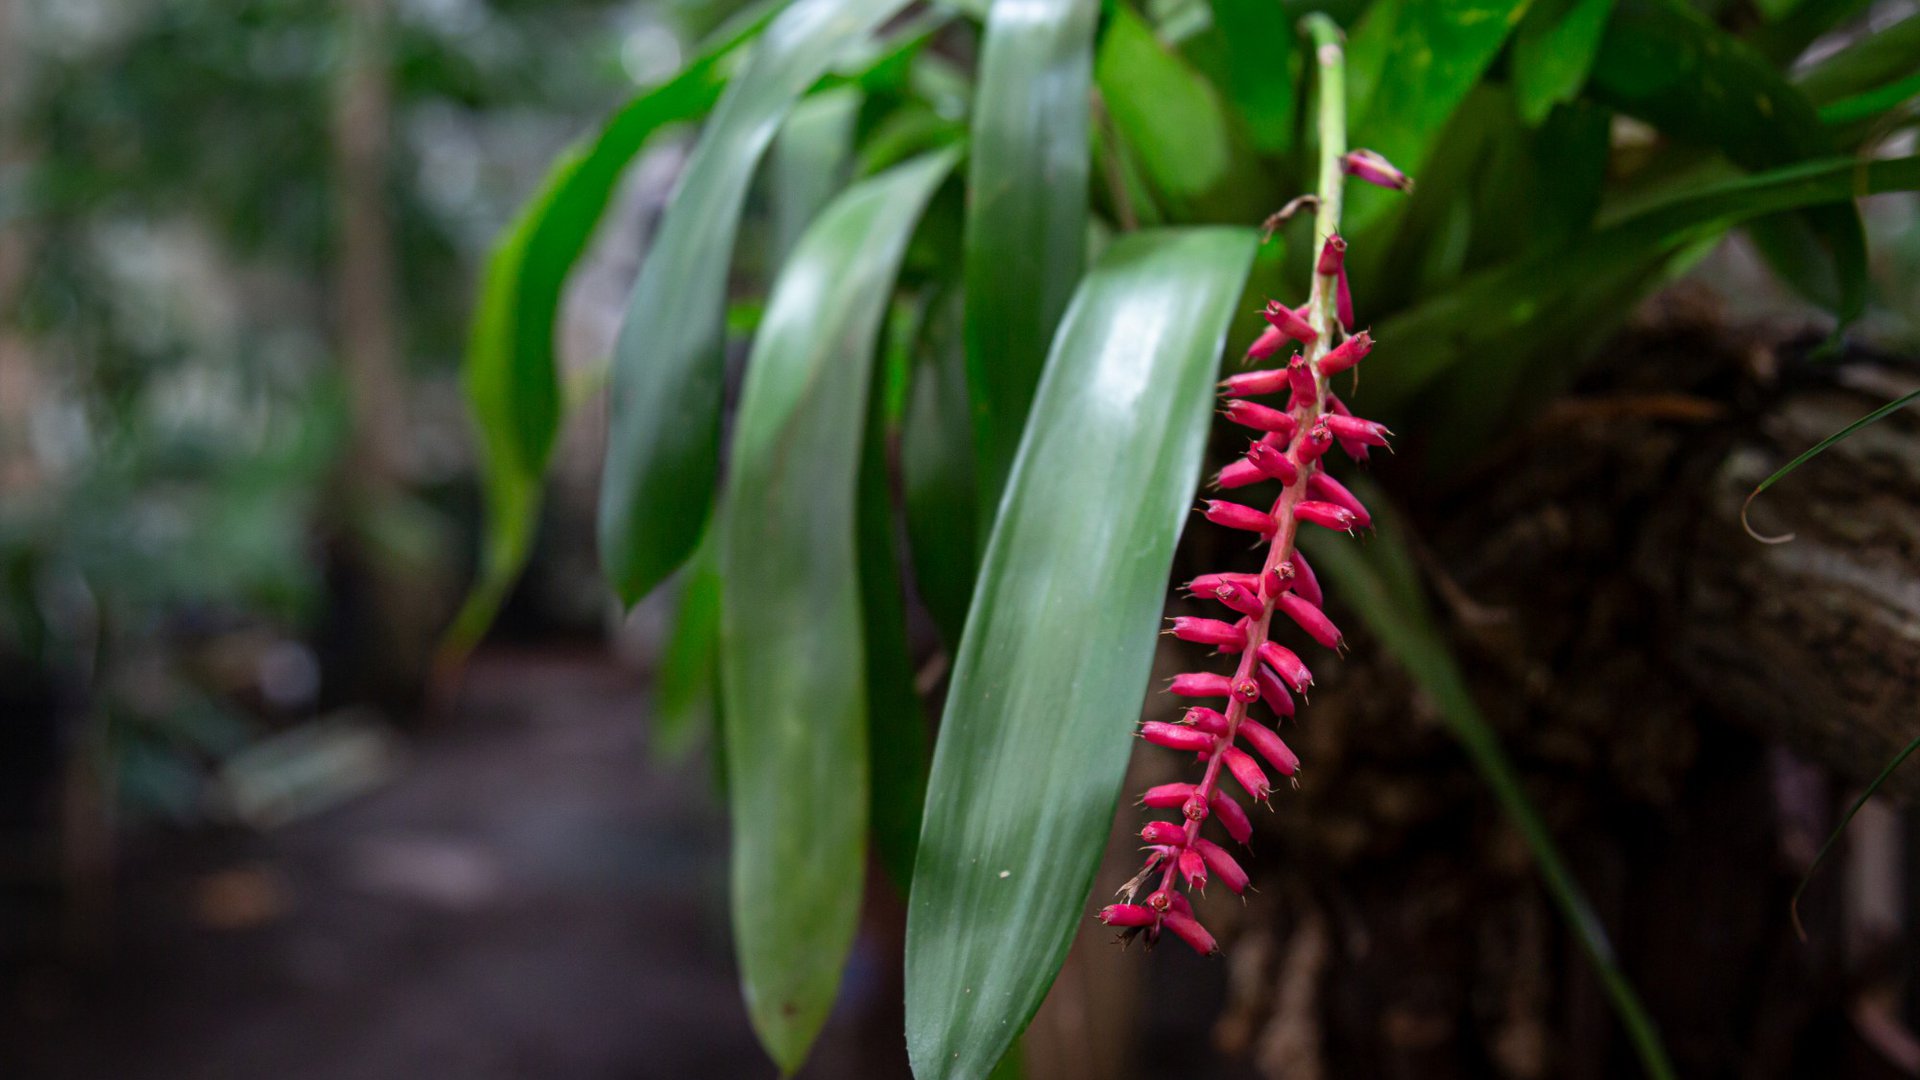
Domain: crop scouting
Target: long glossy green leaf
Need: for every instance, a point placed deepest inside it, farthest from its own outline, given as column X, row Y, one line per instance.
column 1054, row 662
column 1815, row 451
column 793, row 652
column 686, row 684
column 1380, row 582
column 1026, row 230
column 1666, row 64
column 810, row 161
column 664, row 425
column 1553, row 51
column 511, row 380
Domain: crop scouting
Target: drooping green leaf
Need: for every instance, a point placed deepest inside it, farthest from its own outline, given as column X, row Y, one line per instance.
column 686, row 685
column 510, row 377
column 1380, row 583
column 1815, row 451
column 811, row 160
column 936, row 450
column 1026, row 230
column 1175, row 124
column 793, row 639
column 1256, row 40
column 1552, row 52
column 1664, row 63
column 664, row 424
column 1054, row 662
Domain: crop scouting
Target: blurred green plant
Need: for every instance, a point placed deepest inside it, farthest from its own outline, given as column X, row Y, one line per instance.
column 1061, row 323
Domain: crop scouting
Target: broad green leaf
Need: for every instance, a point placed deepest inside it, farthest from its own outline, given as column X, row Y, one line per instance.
column 1815, row 451
column 1552, row 52
column 1433, row 54
column 1026, row 230
column 1380, row 583
column 510, row 377
column 1256, row 40
column 936, row 451
column 1176, row 126
column 1058, row 647
column 664, row 421
column 811, row 159
column 686, row 684
column 793, row 641
column 1666, row 64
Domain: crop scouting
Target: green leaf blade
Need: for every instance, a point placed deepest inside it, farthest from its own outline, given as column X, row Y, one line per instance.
column 792, row 633
column 664, row 426
column 1053, row 665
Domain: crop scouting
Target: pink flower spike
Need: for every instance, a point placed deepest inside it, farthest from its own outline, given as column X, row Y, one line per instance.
column 1246, row 690
column 1202, row 684
column 1370, row 432
column 1167, row 796
column 1333, row 256
column 1232, row 817
column 1342, row 299
column 1128, row 915
column 1175, row 737
column 1238, row 475
column 1311, row 619
column 1247, row 773
column 1346, row 354
column 1255, row 383
column 1322, row 486
column 1204, row 586
column 1289, row 322
column 1288, row 664
column 1194, row 869
column 1222, row 864
column 1208, row 720
column 1239, row 599
column 1374, row 169
column 1272, row 463
column 1300, row 380
column 1313, row 443
column 1260, row 417
column 1270, row 341
column 1273, row 691
column 1326, row 514
column 1271, row 583
column 1235, row 516
column 1270, row 746
column 1165, row 833
column 1225, row 635
column 1305, row 584
column 1189, row 930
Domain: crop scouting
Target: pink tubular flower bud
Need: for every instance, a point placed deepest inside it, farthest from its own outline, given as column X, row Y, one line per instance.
column 1374, row 169
column 1310, row 618
column 1326, row 515
column 1260, row 417
column 1164, row 832
column 1204, row 586
column 1235, row 516
column 1167, row 796
column 1210, row 632
column 1346, row 354
column 1273, row 691
column 1247, row 773
column 1289, row 322
column 1355, row 450
column 1305, row 584
column 1232, row 817
column 1128, row 915
column 1175, row 737
column 1342, row 299
column 1333, row 255
column 1322, row 486
column 1270, row 341
column 1246, row 690
column 1188, row 929
column 1195, row 808
column 1239, row 599
column 1194, row 869
column 1271, row 583
column 1211, row 721
column 1272, row 462
column 1288, row 664
column 1314, row 442
column 1222, row 864
column 1370, row 432
column 1300, row 380
column 1238, row 475
column 1270, row 746
column 1254, row 383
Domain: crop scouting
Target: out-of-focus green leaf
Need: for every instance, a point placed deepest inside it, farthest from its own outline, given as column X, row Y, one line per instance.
column 1667, row 65
column 1026, row 230
column 1262, row 80
column 1815, row 451
column 793, row 639
column 664, row 425
column 1059, row 644
column 1175, row 124
column 1380, row 582
column 686, row 684
column 936, row 450
column 1433, row 54
column 1552, row 52
column 511, row 381
column 1872, row 103
column 810, row 161
column 1876, row 60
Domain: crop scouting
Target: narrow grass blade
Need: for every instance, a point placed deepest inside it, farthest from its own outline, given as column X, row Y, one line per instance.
column 1812, row 452
column 1058, row 646
column 1793, row 906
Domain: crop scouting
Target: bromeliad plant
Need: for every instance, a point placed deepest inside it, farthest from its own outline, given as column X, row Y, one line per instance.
column 997, row 297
